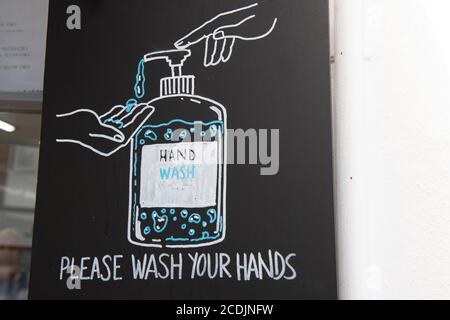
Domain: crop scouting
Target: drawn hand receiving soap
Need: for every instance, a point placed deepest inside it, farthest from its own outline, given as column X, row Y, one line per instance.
column 178, row 143
column 107, row 133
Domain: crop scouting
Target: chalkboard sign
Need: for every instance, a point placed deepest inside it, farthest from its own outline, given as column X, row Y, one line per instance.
column 186, row 151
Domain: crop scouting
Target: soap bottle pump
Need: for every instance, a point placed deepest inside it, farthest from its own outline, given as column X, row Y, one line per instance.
column 178, row 165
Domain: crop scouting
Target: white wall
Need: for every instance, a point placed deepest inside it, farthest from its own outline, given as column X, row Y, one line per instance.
column 392, row 136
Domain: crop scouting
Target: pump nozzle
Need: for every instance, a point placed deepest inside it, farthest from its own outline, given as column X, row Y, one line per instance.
column 177, row 83
column 175, row 58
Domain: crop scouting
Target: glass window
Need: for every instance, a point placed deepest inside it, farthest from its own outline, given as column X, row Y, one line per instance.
column 23, row 25
column 19, row 154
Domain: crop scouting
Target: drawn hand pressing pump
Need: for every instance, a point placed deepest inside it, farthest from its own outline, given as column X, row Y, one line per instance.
column 221, row 32
column 107, row 133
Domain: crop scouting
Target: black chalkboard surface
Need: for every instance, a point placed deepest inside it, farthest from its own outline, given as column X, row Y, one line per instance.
column 186, row 151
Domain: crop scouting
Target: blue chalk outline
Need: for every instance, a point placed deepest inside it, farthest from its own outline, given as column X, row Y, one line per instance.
column 140, row 83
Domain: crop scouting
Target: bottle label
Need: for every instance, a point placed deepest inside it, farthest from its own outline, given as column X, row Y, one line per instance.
column 179, row 175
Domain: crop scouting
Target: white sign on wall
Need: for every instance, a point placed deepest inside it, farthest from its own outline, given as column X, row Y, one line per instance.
column 23, row 25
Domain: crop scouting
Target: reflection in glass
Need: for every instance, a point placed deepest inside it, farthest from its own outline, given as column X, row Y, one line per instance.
column 18, row 178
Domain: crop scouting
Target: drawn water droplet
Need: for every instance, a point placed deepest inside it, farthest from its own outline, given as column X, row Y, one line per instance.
column 204, row 224
column 191, row 232
column 172, row 211
column 183, row 226
column 142, row 142
column 143, row 216
column 147, row 231
column 139, row 87
column 131, row 103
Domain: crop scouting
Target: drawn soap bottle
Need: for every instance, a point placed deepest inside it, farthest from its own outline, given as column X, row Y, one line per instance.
column 178, row 167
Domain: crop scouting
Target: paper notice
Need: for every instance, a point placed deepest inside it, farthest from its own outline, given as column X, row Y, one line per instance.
column 23, row 25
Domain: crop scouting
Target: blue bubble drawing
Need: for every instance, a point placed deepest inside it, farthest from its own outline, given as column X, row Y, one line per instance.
column 195, row 218
column 213, row 131
column 184, row 213
column 168, row 136
column 150, row 134
column 183, row 134
column 212, row 214
column 159, row 222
